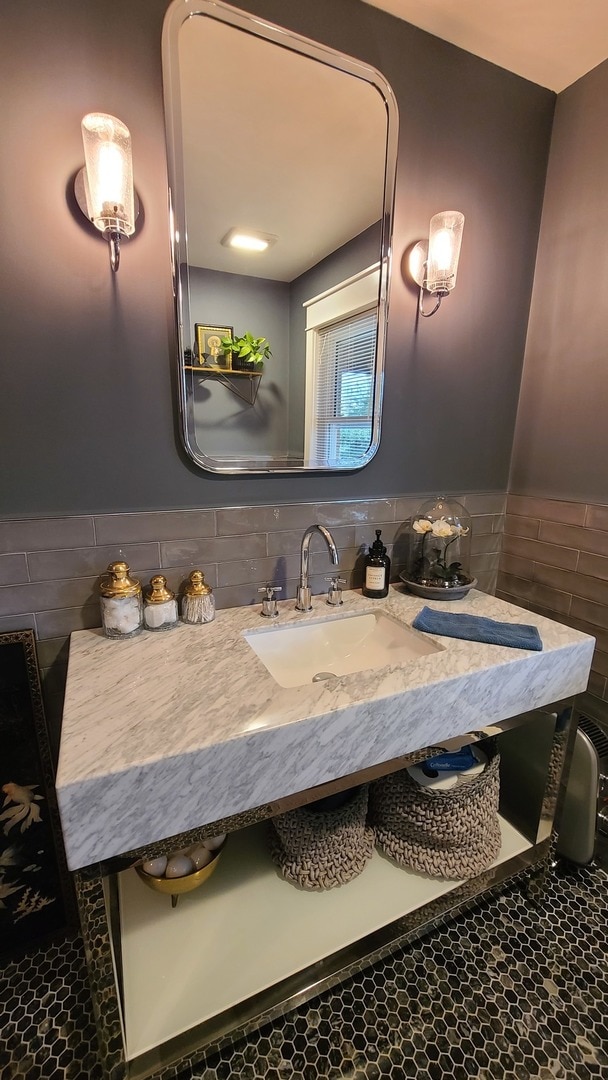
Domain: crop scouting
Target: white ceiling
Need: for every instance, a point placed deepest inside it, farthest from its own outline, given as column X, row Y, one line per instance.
column 550, row 42
column 240, row 171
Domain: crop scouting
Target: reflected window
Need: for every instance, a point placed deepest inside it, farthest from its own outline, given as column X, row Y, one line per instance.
column 344, row 390
column 342, row 336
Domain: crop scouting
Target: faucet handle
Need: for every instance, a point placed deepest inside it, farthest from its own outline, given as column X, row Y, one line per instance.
column 334, row 593
column 269, row 603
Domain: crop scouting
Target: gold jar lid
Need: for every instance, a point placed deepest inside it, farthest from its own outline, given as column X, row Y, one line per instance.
column 158, row 593
column 118, row 582
column 197, row 586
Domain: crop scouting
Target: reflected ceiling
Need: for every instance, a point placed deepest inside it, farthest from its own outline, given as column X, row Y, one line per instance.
column 222, row 148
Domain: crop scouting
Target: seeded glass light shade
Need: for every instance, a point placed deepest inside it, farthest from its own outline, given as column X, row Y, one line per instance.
column 108, row 173
column 445, row 238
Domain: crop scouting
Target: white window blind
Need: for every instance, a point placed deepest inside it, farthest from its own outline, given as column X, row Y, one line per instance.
column 345, row 356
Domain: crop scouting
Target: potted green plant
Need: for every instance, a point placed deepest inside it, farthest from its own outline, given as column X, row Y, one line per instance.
column 248, row 352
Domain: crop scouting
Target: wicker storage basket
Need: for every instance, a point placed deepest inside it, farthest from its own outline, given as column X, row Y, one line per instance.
column 320, row 849
column 448, row 834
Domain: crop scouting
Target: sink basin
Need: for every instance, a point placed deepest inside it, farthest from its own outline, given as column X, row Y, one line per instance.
column 314, row 651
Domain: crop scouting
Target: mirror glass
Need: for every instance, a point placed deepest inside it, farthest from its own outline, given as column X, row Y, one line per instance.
column 281, row 162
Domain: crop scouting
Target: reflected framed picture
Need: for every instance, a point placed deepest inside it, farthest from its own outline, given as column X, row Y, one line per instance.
column 209, row 346
column 36, row 899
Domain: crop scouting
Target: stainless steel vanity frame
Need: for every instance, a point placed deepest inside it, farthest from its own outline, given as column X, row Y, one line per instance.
column 97, row 903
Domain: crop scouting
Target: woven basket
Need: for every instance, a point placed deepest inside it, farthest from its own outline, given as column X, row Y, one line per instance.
column 448, row 834
column 321, row 849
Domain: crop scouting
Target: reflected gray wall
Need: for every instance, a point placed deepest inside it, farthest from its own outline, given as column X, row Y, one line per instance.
column 224, row 423
column 89, row 389
column 561, row 445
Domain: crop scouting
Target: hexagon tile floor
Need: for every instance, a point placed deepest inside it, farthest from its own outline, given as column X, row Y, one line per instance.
column 503, row 992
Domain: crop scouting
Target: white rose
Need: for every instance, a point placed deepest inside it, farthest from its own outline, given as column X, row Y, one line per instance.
column 441, row 527
column 422, row 525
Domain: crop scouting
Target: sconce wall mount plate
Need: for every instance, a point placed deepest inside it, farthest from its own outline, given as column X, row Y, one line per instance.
column 80, row 181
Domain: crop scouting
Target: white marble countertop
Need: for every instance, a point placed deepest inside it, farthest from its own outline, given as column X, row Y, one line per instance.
column 165, row 732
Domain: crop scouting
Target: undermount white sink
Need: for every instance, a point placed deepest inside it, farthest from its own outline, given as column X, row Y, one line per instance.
column 315, row 651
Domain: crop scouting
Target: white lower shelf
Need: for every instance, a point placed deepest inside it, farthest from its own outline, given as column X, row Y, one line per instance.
column 246, row 929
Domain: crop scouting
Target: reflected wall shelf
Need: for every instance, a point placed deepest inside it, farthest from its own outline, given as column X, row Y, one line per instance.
column 233, row 380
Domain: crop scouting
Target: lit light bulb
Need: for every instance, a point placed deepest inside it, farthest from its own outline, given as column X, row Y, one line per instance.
column 445, row 238
column 248, row 239
column 248, row 243
column 441, row 251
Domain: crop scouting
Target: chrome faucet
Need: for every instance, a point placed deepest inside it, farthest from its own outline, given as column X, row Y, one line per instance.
column 303, row 594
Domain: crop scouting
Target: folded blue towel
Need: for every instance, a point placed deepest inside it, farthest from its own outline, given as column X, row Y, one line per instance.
column 477, row 628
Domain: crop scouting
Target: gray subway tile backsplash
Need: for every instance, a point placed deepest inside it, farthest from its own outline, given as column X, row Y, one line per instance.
column 47, row 595
column 488, row 503
column 522, row 526
column 212, row 549
column 596, row 517
column 574, row 536
column 407, row 507
column 13, row 569
column 82, row 562
column 593, row 565
column 290, row 541
column 555, row 560
column 577, row 584
column 44, row 534
column 63, row 621
column 354, row 513
column 160, row 525
column 569, row 513
column 275, row 569
column 536, row 551
column 246, row 519
column 485, row 543
column 50, row 568
column 10, row 623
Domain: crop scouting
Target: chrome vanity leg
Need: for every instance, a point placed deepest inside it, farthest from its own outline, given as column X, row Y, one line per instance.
column 100, row 964
column 553, row 800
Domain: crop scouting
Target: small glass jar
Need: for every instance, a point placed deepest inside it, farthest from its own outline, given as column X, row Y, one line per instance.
column 121, row 602
column 439, row 548
column 160, row 605
column 198, row 604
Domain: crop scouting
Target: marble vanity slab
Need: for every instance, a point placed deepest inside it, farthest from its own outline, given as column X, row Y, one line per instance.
column 169, row 731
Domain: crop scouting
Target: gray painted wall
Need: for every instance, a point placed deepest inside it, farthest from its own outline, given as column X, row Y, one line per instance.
column 561, row 445
column 224, row 423
column 88, row 399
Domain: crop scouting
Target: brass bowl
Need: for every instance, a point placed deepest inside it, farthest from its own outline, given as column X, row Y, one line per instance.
column 174, row 887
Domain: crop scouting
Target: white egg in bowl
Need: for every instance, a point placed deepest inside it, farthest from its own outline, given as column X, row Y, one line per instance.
column 184, row 870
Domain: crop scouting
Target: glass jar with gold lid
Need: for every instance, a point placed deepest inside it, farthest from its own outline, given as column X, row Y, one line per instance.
column 198, row 604
column 121, row 602
column 160, row 605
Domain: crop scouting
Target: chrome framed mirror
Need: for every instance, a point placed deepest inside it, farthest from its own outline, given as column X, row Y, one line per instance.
column 282, row 156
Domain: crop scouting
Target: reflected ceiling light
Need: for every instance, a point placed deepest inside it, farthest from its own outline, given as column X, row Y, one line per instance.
column 249, row 240
column 433, row 264
column 104, row 187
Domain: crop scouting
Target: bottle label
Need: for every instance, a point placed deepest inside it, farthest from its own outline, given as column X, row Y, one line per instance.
column 375, row 577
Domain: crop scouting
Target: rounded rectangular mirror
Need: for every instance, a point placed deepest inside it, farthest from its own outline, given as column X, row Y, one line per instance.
column 281, row 165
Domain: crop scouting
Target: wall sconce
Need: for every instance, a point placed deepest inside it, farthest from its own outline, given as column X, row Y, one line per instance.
column 104, row 187
column 433, row 264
